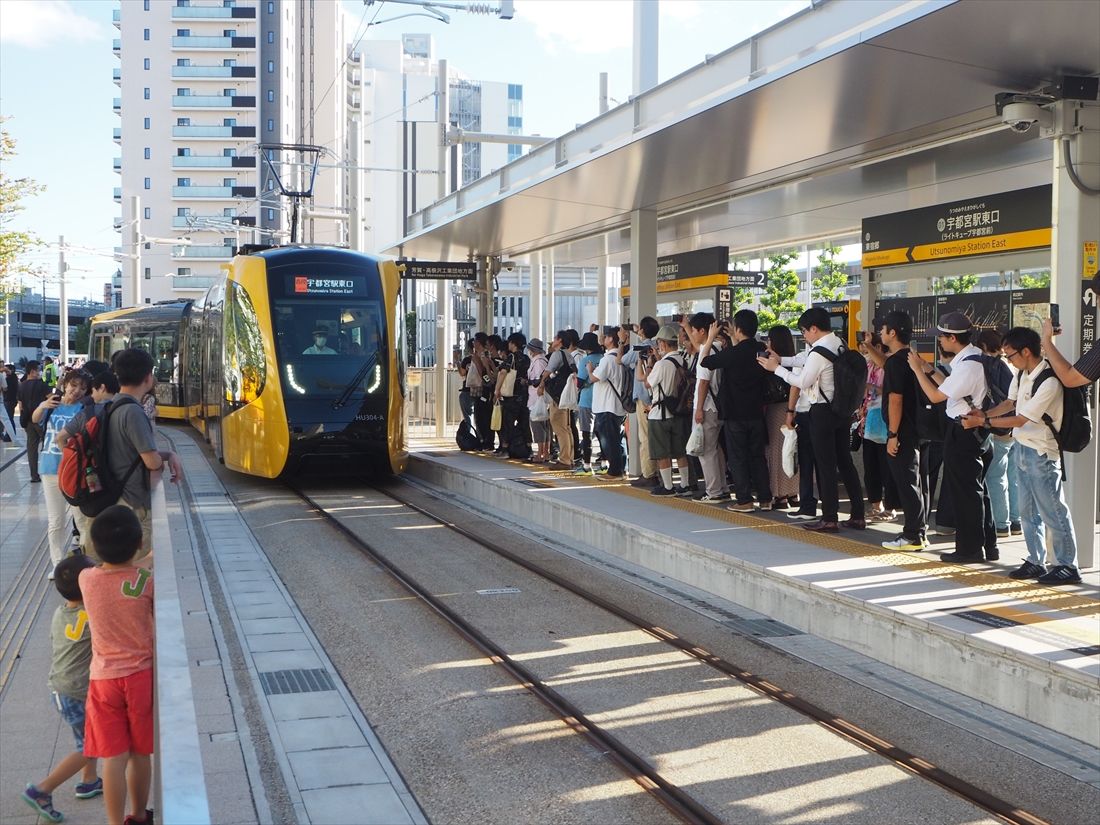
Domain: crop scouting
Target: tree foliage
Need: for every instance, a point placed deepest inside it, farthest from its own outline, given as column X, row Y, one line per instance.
column 1037, row 281
column 958, row 286
column 82, row 337
column 13, row 243
column 779, row 304
column 830, row 276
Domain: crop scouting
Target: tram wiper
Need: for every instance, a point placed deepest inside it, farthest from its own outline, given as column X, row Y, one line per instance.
column 345, row 396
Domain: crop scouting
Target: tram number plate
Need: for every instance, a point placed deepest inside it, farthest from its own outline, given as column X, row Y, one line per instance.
column 498, row 591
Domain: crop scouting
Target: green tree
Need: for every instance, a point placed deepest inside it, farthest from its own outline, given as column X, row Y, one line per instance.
column 830, row 276
column 82, row 337
column 13, row 243
column 740, row 296
column 779, row 304
column 1037, row 281
column 964, row 283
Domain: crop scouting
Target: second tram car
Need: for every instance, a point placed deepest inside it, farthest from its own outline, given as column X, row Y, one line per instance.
column 294, row 360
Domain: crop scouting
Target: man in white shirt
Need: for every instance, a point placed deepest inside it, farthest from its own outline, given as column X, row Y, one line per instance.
column 830, row 435
column 1034, row 398
column 667, row 436
column 645, row 331
column 963, row 450
column 607, row 408
column 713, row 460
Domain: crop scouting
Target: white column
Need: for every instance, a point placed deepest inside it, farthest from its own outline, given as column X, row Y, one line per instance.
column 536, row 330
column 1075, row 219
column 646, row 15
column 443, row 112
column 62, row 305
column 134, row 250
column 643, row 264
column 551, row 320
column 442, row 325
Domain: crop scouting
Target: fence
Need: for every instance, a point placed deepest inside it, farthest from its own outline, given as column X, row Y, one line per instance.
column 420, row 402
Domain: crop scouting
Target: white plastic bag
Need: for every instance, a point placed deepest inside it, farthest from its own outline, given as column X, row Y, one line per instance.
column 790, row 450
column 540, row 411
column 695, row 441
column 569, row 395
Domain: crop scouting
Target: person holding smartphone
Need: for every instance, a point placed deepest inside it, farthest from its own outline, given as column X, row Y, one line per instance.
column 1087, row 368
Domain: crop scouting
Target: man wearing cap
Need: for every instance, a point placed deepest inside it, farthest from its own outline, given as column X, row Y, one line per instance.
column 320, row 341
column 645, row 331
column 607, row 406
column 667, row 431
column 964, row 451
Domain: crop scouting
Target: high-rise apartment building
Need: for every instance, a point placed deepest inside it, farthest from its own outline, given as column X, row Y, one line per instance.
column 201, row 85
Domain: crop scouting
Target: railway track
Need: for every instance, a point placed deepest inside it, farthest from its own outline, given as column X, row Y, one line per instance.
column 19, row 607
column 674, row 798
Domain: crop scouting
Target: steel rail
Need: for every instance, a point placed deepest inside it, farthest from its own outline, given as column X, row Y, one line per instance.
column 12, row 460
column 1000, row 808
column 678, row 802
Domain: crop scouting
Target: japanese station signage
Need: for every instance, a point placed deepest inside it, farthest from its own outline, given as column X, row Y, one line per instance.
column 309, row 285
column 748, row 279
column 439, row 270
column 687, row 270
column 991, row 224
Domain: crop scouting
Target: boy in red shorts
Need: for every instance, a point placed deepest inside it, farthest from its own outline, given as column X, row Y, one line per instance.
column 118, row 598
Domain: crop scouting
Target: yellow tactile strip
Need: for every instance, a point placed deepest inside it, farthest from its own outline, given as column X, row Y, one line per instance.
column 1027, row 592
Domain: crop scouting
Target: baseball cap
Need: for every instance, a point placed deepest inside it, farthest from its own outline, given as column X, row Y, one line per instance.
column 954, row 323
column 669, row 332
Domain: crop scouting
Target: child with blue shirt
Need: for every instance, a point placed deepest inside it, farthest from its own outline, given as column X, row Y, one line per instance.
column 60, row 407
column 71, row 643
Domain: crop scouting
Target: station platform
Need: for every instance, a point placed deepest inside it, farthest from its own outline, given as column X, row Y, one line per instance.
column 1029, row 650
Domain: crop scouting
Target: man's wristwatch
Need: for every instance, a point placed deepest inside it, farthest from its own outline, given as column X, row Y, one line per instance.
column 890, row 435
column 791, row 412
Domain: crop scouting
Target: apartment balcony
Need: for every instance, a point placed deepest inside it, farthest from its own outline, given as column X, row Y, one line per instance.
column 197, row 42
column 116, row 46
column 194, row 281
column 213, row 71
column 213, row 102
column 213, row 192
column 116, row 134
column 214, row 13
column 118, row 165
column 118, row 224
column 212, row 223
column 118, row 194
column 212, row 162
column 206, row 252
column 353, row 100
column 117, row 104
column 116, row 18
column 214, row 132
column 116, row 76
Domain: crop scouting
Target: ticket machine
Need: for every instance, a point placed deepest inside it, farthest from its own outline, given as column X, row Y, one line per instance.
column 844, row 319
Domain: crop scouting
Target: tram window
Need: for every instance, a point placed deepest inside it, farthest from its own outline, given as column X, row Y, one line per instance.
column 323, row 346
column 164, row 357
column 244, row 364
column 142, row 342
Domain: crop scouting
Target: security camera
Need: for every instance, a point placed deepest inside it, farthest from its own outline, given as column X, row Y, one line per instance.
column 509, row 265
column 1021, row 116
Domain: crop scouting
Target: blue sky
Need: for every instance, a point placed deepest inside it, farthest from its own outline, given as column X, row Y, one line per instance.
column 56, row 88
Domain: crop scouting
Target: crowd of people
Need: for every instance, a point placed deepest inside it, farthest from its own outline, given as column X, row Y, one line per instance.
column 100, row 678
column 725, row 414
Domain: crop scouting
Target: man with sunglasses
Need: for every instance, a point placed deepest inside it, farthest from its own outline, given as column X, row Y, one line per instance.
column 966, row 453
column 1032, row 399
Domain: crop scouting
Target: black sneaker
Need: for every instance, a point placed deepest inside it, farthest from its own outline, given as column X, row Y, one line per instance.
column 661, row 490
column 643, row 482
column 683, row 492
column 1062, row 574
column 1028, row 570
column 1016, row 528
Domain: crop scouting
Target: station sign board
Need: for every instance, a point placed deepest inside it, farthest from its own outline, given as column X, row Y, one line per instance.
column 687, row 270
column 986, row 225
column 439, row 270
column 748, row 279
column 998, row 310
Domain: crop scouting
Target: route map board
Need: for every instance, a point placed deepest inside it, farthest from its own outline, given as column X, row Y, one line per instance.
column 999, row 310
column 921, row 310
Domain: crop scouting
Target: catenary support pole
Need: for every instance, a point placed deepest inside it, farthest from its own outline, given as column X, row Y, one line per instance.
column 536, row 296
column 551, row 319
column 62, row 303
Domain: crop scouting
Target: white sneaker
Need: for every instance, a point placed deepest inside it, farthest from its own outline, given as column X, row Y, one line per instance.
column 902, row 543
column 49, row 574
column 800, row 516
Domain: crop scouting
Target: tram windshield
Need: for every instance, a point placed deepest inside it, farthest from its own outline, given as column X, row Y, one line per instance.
column 329, row 348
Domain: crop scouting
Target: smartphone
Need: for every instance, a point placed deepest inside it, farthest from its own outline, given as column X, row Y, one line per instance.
column 861, row 337
column 1055, row 318
column 57, row 392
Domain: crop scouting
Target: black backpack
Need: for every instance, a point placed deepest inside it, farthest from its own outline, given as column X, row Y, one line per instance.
column 1076, row 432
column 555, row 384
column 681, row 401
column 626, row 393
column 849, row 381
column 998, row 380
column 931, row 418
column 466, row 439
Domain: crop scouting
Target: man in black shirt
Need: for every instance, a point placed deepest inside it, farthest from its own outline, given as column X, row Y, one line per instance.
column 899, row 405
column 32, row 392
column 741, row 407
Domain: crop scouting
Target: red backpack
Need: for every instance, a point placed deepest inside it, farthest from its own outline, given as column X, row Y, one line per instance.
column 84, row 477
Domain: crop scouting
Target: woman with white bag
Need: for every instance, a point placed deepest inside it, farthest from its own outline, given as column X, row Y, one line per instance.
column 536, row 401
column 705, row 418
column 784, row 487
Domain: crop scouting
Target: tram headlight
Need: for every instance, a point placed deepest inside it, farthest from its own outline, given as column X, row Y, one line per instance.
column 376, row 379
column 291, row 380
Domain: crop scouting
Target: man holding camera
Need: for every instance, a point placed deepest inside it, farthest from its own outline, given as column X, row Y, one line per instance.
column 32, row 392
column 645, row 330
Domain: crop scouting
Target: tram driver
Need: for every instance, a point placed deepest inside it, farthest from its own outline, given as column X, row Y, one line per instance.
column 320, row 343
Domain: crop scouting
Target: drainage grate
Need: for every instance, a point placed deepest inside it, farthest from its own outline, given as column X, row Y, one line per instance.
column 207, row 494
column 296, row 681
column 766, row 628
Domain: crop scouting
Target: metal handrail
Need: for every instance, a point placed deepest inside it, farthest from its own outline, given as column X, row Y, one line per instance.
column 182, row 799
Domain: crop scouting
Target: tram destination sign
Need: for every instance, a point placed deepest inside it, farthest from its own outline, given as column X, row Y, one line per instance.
column 986, row 225
column 440, row 270
column 749, row 279
column 312, row 285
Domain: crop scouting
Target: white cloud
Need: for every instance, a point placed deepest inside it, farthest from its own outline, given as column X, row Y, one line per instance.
column 579, row 26
column 40, row 23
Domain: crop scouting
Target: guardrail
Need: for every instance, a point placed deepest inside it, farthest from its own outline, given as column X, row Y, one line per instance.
column 182, row 799
column 420, row 401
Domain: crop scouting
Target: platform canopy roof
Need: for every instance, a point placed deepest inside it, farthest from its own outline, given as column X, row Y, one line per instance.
column 849, row 109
